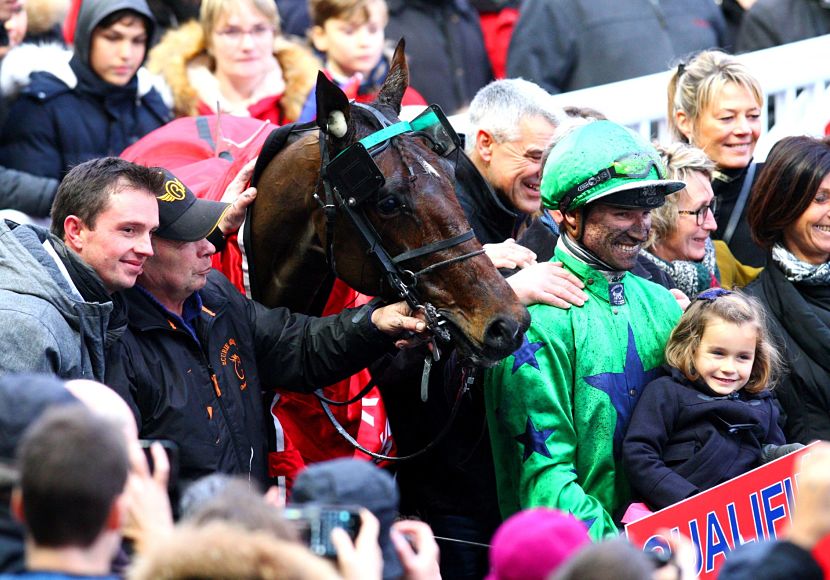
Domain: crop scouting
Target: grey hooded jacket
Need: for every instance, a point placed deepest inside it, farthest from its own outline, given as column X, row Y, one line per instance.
column 45, row 325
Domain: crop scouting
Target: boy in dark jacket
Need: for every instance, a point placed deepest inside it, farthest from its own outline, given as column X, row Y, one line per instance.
column 90, row 103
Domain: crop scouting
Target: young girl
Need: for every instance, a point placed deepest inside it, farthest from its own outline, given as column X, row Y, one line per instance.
column 712, row 418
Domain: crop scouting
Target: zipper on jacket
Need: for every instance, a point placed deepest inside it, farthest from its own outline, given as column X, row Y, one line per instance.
column 214, row 379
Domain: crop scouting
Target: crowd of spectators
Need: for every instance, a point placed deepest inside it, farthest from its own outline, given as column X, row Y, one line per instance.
column 678, row 293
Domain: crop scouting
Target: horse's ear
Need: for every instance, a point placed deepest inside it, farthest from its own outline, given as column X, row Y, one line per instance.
column 391, row 93
column 333, row 109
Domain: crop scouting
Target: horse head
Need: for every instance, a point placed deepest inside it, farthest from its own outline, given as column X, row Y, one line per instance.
column 389, row 179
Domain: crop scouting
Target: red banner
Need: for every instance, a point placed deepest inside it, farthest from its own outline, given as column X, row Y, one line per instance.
column 754, row 506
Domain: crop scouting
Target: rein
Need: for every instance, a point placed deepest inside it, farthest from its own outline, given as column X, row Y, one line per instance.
column 403, row 281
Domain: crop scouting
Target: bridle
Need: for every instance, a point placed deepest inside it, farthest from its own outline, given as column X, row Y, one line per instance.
column 352, row 179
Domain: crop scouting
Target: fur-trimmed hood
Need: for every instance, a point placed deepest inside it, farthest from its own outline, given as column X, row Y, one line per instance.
column 23, row 60
column 44, row 15
column 185, row 47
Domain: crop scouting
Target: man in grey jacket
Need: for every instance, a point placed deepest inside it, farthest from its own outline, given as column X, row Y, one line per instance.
column 57, row 308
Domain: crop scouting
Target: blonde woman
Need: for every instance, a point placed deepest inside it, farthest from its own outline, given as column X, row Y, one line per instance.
column 715, row 103
column 236, row 61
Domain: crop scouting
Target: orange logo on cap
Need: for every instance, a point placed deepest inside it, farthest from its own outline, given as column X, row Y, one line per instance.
column 174, row 190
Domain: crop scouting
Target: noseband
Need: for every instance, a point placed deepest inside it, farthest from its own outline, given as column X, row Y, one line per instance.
column 352, row 178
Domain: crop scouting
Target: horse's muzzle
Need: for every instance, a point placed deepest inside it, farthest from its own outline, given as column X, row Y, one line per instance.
column 503, row 335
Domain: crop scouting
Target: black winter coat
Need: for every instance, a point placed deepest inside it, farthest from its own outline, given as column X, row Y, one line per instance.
column 684, row 438
column 799, row 316
column 743, row 247
column 52, row 127
column 205, row 391
column 448, row 63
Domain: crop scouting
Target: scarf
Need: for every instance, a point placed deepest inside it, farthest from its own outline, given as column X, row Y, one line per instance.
column 796, row 270
column 92, row 290
column 691, row 277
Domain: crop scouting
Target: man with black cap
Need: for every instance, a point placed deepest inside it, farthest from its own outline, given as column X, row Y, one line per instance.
column 60, row 307
column 197, row 354
column 558, row 407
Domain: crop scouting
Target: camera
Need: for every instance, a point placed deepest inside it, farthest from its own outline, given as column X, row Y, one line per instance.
column 171, row 449
column 314, row 523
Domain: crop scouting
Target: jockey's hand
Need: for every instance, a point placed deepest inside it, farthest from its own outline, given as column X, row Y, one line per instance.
column 509, row 254
column 396, row 320
column 240, row 197
column 548, row 283
column 682, row 300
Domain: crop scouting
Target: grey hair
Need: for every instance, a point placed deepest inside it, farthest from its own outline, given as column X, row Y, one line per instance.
column 568, row 126
column 499, row 107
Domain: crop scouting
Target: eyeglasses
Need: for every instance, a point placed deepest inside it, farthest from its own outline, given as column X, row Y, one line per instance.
column 235, row 35
column 700, row 213
column 634, row 165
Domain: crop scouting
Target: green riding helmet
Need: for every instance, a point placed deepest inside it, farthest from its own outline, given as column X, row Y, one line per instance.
column 604, row 160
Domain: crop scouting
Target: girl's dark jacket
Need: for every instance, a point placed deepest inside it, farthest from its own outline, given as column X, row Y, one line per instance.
column 684, row 438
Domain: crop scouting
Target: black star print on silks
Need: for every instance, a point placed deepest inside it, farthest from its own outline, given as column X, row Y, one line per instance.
column 526, row 355
column 533, row 440
column 624, row 388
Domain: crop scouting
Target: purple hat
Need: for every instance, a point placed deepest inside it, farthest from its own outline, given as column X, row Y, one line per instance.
column 533, row 543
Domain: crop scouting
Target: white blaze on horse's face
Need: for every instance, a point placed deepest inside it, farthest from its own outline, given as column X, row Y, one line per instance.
column 428, row 168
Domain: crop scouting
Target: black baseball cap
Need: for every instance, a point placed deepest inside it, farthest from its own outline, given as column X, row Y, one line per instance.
column 183, row 217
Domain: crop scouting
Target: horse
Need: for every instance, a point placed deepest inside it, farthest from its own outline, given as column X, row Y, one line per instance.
column 368, row 198
column 362, row 197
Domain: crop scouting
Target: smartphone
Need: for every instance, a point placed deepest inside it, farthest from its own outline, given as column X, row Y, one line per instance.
column 171, row 449
column 314, row 523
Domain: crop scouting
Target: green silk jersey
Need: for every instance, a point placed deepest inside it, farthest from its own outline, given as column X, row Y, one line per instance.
column 558, row 407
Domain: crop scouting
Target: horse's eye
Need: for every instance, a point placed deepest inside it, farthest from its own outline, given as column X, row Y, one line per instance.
column 389, row 205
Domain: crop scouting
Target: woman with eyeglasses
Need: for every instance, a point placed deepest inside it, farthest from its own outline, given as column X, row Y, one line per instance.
column 681, row 242
column 714, row 103
column 789, row 214
column 234, row 60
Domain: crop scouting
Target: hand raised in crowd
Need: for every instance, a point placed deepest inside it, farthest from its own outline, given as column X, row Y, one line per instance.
column 811, row 517
column 149, row 516
column 682, row 300
column 240, row 197
column 683, row 562
column 363, row 559
column 420, row 558
column 508, row 254
column 548, row 283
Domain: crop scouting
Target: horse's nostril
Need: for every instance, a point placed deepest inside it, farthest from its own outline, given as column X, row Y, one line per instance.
column 501, row 333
